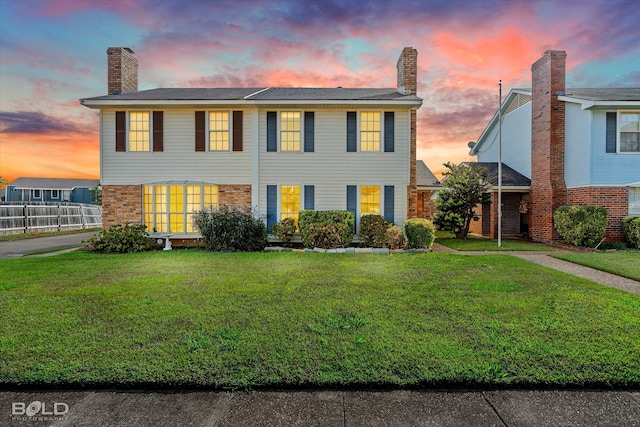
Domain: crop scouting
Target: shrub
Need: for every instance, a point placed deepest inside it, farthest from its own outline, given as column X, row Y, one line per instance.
column 120, row 238
column 372, row 229
column 284, row 231
column 231, row 229
column 420, row 233
column 581, row 225
column 326, row 229
column 631, row 227
column 394, row 238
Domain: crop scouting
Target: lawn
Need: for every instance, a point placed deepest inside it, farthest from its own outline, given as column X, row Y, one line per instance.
column 622, row 263
column 190, row 318
column 475, row 243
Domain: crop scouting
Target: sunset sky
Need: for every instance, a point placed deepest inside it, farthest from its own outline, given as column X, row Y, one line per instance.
column 53, row 52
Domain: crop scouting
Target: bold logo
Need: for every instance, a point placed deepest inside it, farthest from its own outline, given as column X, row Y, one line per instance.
column 35, row 407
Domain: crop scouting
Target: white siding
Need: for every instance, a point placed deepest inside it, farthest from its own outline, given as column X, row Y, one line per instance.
column 516, row 141
column 576, row 143
column 610, row 168
column 179, row 160
column 330, row 168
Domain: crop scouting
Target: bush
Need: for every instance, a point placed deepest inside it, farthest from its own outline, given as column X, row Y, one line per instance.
column 581, row 225
column 394, row 238
column 372, row 229
column 120, row 238
column 284, row 231
column 420, row 233
column 326, row 229
column 631, row 227
column 231, row 229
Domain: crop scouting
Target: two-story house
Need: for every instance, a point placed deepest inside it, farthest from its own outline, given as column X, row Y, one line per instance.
column 166, row 153
column 575, row 146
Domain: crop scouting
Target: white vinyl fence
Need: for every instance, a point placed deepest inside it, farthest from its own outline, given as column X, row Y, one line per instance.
column 31, row 217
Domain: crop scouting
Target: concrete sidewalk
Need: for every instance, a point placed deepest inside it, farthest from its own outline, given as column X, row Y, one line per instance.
column 323, row 408
column 545, row 259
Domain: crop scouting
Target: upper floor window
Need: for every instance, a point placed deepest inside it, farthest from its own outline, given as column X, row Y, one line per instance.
column 370, row 200
column 139, row 131
column 219, row 131
column 370, row 131
column 630, row 132
column 290, row 131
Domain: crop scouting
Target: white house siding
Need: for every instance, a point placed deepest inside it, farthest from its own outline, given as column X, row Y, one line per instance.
column 178, row 161
column 516, row 141
column 577, row 147
column 330, row 168
column 610, row 168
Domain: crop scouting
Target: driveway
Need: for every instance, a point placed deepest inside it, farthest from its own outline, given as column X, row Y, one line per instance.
column 20, row 248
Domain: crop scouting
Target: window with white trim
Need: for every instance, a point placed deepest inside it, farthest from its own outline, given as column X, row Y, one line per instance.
column 370, row 200
column 139, row 135
column 219, row 131
column 170, row 208
column 634, row 201
column 629, row 134
column 55, row 194
column 370, row 131
column 290, row 131
column 290, row 202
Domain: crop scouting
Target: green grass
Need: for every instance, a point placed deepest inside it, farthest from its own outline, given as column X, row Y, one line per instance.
column 622, row 263
column 475, row 243
column 191, row 318
column 23, row 236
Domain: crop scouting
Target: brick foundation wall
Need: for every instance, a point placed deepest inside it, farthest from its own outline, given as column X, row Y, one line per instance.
column 548, row 189
column 235, row 194
column 121, row 204
column 614, row 199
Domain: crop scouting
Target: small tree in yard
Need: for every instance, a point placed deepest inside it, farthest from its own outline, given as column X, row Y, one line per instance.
column 463, row 188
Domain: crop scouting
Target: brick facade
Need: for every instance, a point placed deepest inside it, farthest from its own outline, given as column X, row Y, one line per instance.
column 122, row 70
column 407, row 67
column 121, row 204
column 548, row 189
column 614, row 199
column 510, row 215
column 239, row 195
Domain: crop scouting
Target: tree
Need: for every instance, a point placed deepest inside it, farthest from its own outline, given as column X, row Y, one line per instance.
column 3, row 181
column 96, row 196
column 463, row 187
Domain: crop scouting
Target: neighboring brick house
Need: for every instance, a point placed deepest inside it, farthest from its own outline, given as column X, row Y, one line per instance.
column 577, row 146
column 428, row 185
column 166, row 153
column 51, row 190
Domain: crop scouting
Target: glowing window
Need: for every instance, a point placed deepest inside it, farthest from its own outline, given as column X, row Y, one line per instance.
column 290, row 202
column 290, row 131
column 370, row 131
column 139, row 131
column 170, row 208
column 370, row 199
column 219, row 131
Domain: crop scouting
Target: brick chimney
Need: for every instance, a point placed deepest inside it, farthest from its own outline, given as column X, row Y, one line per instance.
column 122, row 74
column 408, row 71
column 407, row 67
column 548, row 188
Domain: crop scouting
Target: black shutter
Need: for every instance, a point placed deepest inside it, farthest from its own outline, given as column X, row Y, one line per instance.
column 612, row 132
column 158, row 131
column 389, row 132
column 272, row 206
column 237, row 131
column 389, row 202
column 309, row 197
column 352, row 203
column 272, row 131
column 121, row 131
column 352, row 132
column 200, row 131
column 309, row 131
